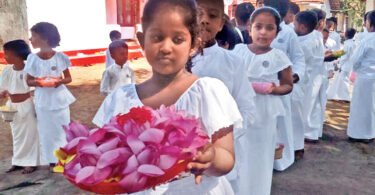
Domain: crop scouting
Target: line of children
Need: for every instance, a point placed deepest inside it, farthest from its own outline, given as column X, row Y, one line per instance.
column 170, row 39
column 221, row 64
column 26, row 150
column 51, row 103
column 265, row 66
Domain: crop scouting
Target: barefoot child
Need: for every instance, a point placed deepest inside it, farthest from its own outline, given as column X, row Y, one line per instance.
column 119, row 73
column 51, row 103
column 361, row 126
column 271, row 68
column 26, row 151
column 170, row 39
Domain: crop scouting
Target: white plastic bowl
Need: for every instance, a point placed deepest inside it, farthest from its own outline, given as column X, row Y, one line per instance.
column 8, row 115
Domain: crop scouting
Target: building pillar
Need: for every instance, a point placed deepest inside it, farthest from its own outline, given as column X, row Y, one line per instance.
column 370, row 5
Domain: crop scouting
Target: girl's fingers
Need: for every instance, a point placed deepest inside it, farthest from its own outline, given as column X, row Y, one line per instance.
column 198, row 179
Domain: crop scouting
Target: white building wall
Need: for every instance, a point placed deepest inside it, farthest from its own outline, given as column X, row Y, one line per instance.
column 81, row 23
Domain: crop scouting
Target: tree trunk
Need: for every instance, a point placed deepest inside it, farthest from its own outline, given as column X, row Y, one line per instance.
column 13, row 21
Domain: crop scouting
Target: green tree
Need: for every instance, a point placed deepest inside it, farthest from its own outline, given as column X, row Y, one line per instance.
column 355, row 9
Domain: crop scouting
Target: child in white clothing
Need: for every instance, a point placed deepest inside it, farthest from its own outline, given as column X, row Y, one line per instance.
column 269, row 72
column 51, row 102
column 26, row 151
column 114, row 36
column 119, row 73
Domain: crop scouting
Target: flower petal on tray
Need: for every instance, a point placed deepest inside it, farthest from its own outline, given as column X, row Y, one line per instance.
column 152, row 135
column 150, row 170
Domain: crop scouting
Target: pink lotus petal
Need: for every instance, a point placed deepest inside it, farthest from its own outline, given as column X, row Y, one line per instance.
column 150, row 155
column 71, row 147
column 88, row 147
column 167, row 161
column 133, row 182
column 152, row 135
column 109, row 145
column 150, row 170
column 85, row 175
column 73, row 167
column 111, row 157
column 87, row 160
column 97, row 135
column 135, row 144
column 132, row 165
column 102, row 174
column 75, row 130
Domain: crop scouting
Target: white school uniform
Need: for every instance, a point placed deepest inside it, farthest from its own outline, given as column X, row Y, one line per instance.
column 336, row 38
column 330, row 45
column 339, row 89
column 207, row 99
column 309, row 47
column 315, row 96
column 108, row 59
column 221, row 64
column 256, row 177
column 116, row 76
column 362, row 109
column 51, row 104
column 26, row 150
column 286, row 41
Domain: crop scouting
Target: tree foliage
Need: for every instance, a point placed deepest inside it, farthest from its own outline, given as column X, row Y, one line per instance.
column 355, row 9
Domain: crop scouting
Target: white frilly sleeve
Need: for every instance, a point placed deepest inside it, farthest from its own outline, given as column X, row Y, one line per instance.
column 218, row 108
column 30, row 66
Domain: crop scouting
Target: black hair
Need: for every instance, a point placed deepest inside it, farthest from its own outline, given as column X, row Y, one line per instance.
column 19, row 47
column 349, row 33
column 294, row 8
column 117, row 44
column 219, row 3
column 190, row 17
column 270, row 10
column 333, row 19
column 281, row 6
column 371, row 18
column 114, row 35
column 228, row 35
column 325, row 30
column 49, row 32
column 243, row 12
column 319, row 13
column 307, row 18
column 365, row 16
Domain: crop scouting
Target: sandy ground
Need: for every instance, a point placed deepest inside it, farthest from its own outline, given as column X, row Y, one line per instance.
column 332, row 166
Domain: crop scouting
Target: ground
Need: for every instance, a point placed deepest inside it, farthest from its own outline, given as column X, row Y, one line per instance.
column 332, row 166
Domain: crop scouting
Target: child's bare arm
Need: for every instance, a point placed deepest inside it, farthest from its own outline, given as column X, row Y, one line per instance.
column 3, row 94
column 66, row 79
column 31, row 81
column 215, row 159
column 286, row 82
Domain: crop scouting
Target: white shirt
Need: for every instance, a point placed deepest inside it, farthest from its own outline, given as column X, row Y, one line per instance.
column 349, row 47
column 363, row 59
column 108, row 59
column 14, row 81
column 312, row 51
column 50, row 98
column 286, row 41
column 114, row 77
column 337, row 39
column 224, row 65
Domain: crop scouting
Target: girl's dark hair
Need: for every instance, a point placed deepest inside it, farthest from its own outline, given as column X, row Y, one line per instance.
column 294, row 8
column 48, row 32
column 190, row 17
column 243, row 12
column 349, row 34
column 319, row 13
column 18, row 47
column 228, row 35
column 282, row 6
column 269, row 10
column 371, row 18
column 307, row 18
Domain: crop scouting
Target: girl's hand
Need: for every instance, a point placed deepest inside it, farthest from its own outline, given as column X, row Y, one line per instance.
column 58, row 83
column 270, row 90
column 202, row 161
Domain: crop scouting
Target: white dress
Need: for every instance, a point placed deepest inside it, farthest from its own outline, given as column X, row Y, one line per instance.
column 362, row 109
column 257, row 166
column 114, row 77
column 208, row 99
column 221, row 64
column 339, row 89
column 287, row 41
column 315, row 97
column 51, row 104
column 26, row 151
column 108, row 59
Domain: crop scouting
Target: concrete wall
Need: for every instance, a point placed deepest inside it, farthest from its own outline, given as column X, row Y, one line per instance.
column 13, row 20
